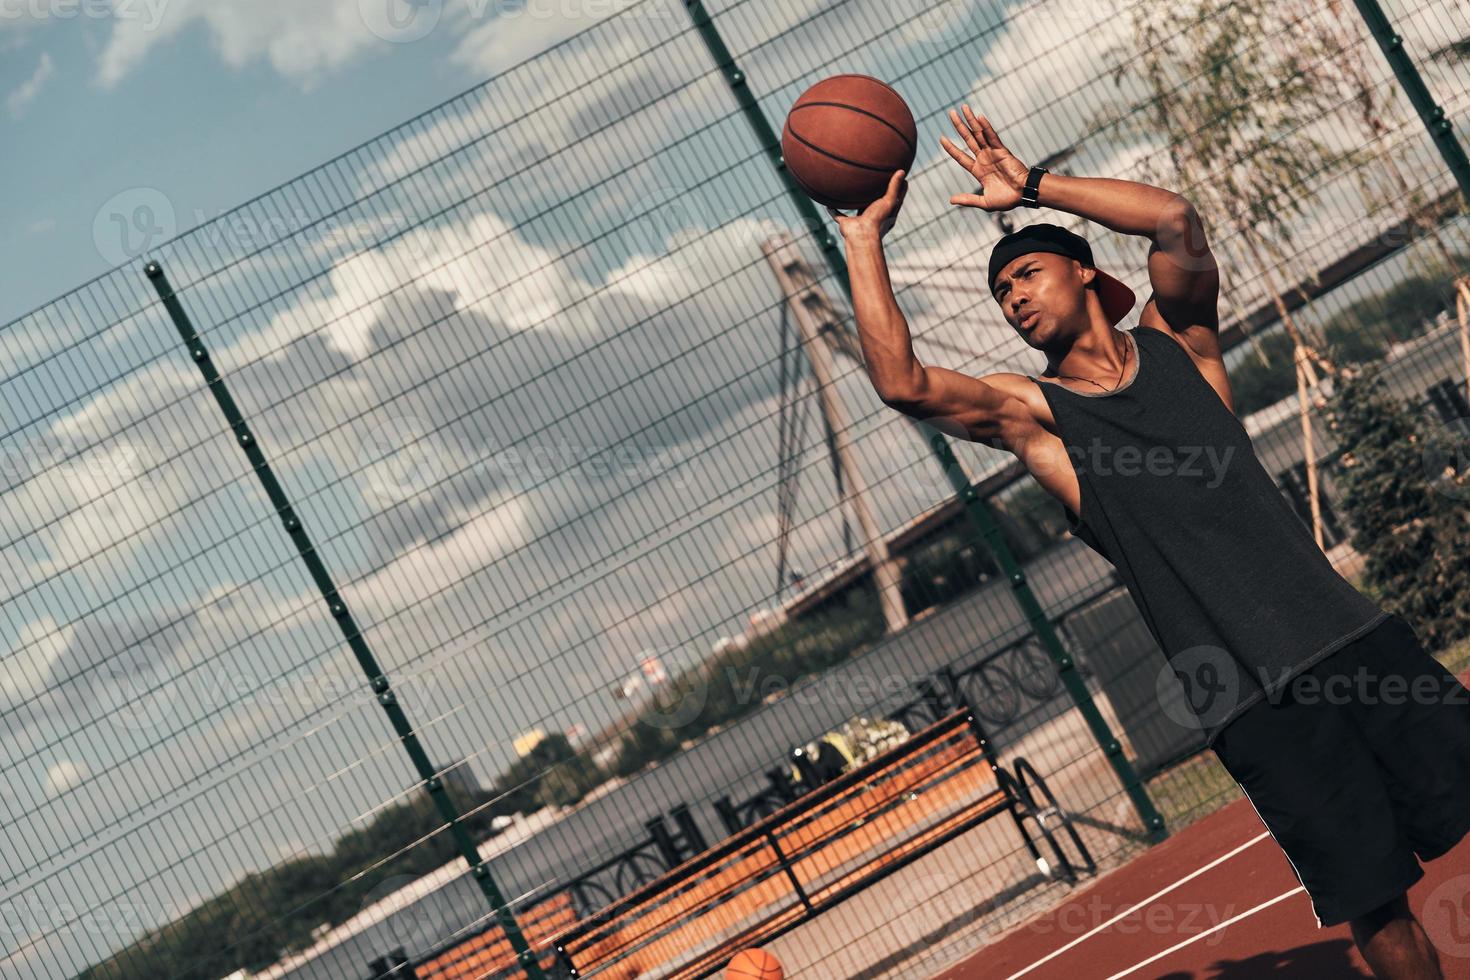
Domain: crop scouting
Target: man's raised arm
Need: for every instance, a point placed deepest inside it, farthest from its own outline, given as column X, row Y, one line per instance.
column 1181, row 266
column 888, row 353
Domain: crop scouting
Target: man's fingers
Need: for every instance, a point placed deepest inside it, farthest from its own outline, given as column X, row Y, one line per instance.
column 960, row 157
column 974, row 125
column 965, row 132
column 968, row 200
column 991, row 136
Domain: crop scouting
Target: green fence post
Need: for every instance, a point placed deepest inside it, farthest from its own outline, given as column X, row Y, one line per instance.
column 338, row 608
column 1413, row 83
column 975, row 508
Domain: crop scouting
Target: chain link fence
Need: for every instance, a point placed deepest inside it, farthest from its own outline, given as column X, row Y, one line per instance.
column 525, row 380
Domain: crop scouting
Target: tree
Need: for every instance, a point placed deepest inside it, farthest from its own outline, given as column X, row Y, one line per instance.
column 1381, row 113
column 1237, row 113
column 1405, row 491
column 551, row 774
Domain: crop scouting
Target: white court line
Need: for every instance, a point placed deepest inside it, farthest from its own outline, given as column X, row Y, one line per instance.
column 1191, row 939
column 1134, row 908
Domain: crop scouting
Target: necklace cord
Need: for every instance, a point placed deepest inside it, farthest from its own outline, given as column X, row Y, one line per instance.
column 1126, row 346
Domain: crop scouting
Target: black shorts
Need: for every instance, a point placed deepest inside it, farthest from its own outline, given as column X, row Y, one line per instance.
column 1362, row 764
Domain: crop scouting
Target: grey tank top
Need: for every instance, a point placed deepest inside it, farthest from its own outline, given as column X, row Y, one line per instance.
column 1228, row 579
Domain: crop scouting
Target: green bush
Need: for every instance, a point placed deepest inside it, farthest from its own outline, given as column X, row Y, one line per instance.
column 1411, row 524
column 1255, row 385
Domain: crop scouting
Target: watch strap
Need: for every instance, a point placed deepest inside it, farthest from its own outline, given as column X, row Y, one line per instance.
column 1032, row 188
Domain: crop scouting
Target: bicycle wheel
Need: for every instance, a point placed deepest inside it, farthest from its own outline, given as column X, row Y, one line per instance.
column 636, row 870
column 994, row 694
column 588, row 897
column 1034, row 670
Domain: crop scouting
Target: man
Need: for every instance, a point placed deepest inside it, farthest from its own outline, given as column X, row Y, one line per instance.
column 1135, row 433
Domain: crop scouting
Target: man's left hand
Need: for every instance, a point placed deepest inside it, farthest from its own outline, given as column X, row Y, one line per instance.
column 1000, row 174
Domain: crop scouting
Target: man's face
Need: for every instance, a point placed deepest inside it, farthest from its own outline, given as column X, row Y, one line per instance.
column 1040, row 292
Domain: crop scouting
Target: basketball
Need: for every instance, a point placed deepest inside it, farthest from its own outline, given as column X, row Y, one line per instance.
column 845, row 137
column 754, row 964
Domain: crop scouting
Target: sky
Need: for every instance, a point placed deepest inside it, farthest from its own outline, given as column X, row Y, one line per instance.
column 207, row 103
column 434, row 332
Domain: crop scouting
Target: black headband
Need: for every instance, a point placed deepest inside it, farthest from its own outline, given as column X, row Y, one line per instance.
column 1038, row 238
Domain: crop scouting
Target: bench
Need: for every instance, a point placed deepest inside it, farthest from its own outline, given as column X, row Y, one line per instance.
column 487, row 955
column 820, row 849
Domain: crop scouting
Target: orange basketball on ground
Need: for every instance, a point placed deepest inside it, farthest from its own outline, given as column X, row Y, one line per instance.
column 754, row 964
column 845, row 137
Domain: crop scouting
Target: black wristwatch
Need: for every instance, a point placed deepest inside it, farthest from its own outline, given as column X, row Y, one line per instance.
column 1033, row 182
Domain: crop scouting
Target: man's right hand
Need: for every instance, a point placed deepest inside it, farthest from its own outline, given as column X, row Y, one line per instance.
column 877, row 218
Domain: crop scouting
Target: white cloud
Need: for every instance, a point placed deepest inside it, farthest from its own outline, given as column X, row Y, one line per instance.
column 300, row 40
column 31, row 87
column 496, row 36
column 93, row 509
column 430, row 571
column 64, row 775
column 478, row 258
column 685, row 248
column 492, row 44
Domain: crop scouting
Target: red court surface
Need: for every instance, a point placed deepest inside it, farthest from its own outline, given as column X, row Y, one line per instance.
column 1216, row 901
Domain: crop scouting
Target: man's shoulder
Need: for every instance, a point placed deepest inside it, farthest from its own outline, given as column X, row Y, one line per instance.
column 1211, row 366
column 1201, row 341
